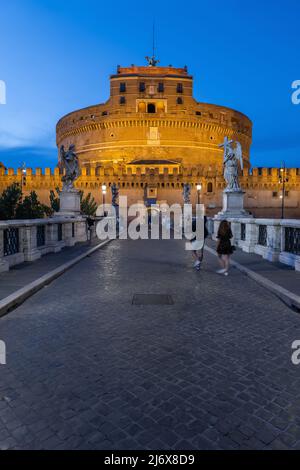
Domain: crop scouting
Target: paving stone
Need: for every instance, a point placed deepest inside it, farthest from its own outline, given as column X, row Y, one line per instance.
column 90, row 370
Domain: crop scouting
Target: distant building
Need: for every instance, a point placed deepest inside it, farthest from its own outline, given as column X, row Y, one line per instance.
column 152, row 136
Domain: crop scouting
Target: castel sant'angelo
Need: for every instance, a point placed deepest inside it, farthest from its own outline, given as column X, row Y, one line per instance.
column 151, row 136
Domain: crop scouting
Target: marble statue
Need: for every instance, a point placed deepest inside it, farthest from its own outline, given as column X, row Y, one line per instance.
column 68, row 161
column 114, row 194
column 186, row 193
column 231, row 161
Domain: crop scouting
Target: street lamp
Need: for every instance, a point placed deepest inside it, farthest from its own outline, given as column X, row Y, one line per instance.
column 282, row 180
column 103, row 197
column 199, row 187
column 23, row 177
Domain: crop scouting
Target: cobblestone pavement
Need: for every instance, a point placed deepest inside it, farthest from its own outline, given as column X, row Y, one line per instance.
column 22, row 274
column 86, row 369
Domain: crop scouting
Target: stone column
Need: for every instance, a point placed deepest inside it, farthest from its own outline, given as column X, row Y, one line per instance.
column 68, row 238
column 52, row 236
column 31, row 252
column 69, row 203
column 248, row 245
column 80, row 231
column 233, row 205
column 236, row 231
column 274, row 243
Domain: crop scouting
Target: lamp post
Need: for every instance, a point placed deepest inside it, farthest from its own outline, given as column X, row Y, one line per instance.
column 103, row 197
column 282, row 180
column 23, row 177
column 199, row 187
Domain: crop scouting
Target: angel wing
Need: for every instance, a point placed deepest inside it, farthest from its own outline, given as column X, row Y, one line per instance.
column 239, row 154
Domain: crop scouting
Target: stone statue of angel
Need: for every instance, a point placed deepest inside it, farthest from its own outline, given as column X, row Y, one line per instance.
column 186, row 193
column 152, row 62
column 233, row 158
column 114, row 194
column 68, row 162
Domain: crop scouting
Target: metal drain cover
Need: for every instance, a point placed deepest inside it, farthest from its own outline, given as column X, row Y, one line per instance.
column 152, row 299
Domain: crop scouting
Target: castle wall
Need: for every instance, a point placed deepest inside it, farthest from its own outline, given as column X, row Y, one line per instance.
column 180, row 128
column 262, row 190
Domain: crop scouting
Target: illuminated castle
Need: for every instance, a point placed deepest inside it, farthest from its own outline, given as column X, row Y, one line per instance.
column 151, row 136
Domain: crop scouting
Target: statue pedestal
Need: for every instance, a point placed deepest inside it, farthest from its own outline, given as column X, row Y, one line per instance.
column 69, row 203
column 233, row 205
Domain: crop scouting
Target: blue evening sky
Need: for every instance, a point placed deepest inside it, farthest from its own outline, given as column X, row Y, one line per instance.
column 56, row 56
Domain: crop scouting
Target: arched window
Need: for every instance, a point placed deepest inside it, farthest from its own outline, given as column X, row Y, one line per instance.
column 142, row 107
column 209, row 187
column 151, row 108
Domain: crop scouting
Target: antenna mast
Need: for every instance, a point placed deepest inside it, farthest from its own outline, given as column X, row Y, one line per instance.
column 151, row 60
column 153, row 33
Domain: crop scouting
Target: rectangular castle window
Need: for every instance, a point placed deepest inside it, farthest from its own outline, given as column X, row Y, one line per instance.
column 122, row 87
column 122, row 100
column 160, row 88
column 142, row 87
column 179, row 88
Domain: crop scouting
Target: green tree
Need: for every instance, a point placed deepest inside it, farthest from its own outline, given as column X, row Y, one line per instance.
column 88, row 205
column 9, row 201
column 54, row 200
column 30, row 208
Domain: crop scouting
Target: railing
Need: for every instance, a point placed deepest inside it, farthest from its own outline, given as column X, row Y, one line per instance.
column 28, row 240
column 262, row 235
column 59, row 232
column 40, row 235
column 11, row 241
column 292, row 240
column 274, row 239
column 243, row 231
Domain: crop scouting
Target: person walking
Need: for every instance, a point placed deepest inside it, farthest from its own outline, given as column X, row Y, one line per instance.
column 224, row 248
column 89, row 224
column 198, row 245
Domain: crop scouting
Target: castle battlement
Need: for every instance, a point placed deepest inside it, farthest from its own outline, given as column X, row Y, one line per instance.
column 169, row 169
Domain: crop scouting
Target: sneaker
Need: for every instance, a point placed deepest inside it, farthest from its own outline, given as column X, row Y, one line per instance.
column 197, row 264
column 221, row 271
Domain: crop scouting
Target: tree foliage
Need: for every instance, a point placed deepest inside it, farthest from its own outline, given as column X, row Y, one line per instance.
column 88, row 205
column 31, row 208
column 9, row 201
column 13, row 207
column 54, row 200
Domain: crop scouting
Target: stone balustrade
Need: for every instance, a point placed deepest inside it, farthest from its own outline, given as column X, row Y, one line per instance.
column 273, row 239
column 28, row 240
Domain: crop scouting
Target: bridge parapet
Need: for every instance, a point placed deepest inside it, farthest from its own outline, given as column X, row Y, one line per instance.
column 273, row 239
column 28, row 240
